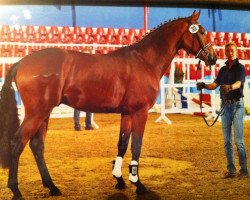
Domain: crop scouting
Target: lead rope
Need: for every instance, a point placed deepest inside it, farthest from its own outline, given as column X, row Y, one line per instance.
column 222, row 107
column 221, row 110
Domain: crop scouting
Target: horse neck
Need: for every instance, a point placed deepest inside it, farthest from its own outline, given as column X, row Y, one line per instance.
column 160, row 46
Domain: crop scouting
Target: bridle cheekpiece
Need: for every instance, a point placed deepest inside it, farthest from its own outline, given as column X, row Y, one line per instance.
column 193, row 29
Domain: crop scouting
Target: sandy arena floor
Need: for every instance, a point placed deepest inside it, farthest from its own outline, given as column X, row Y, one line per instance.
column 184, row 160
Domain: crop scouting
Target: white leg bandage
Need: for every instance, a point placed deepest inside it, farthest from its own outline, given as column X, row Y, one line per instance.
column 133, row 171
column 117, row 171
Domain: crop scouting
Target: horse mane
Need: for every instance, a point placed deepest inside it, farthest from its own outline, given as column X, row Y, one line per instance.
column 162, row 26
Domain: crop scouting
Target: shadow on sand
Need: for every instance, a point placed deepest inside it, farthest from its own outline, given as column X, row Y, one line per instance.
column 150, row 195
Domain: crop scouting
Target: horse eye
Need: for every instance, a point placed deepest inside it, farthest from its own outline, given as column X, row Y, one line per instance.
column 202, row 32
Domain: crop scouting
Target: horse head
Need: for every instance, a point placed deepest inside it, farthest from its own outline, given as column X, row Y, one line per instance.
column 194, row 41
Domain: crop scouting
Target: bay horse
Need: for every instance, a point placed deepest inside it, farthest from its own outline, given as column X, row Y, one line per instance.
column 124, row 81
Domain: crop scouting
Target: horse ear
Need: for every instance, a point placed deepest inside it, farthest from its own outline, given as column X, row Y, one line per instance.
column 196, row 15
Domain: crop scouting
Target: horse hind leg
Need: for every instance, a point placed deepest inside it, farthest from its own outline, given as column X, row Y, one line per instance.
column 17, row 144
column 17, row 147
column 124, row 136
column 28, row 128
column 37, row 146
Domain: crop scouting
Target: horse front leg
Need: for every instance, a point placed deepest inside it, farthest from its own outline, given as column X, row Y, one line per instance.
column 125, row 131
column 138, row 125
column 37, row 147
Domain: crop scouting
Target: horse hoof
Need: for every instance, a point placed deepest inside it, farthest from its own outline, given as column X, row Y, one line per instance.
column 55, row 192
column 120, row 184
column 141, row 189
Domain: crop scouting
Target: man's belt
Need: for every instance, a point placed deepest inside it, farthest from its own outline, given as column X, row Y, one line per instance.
column 231, row 101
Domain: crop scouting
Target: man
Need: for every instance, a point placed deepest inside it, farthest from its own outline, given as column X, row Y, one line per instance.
column 231, row 78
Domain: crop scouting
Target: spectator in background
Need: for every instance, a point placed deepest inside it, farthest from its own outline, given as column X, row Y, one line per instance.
column 88, row 120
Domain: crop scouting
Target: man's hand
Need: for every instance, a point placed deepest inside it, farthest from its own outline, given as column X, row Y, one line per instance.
column 225, row 88
column 200, row 85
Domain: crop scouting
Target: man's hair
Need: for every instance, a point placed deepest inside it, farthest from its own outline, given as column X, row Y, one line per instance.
column 230, row 44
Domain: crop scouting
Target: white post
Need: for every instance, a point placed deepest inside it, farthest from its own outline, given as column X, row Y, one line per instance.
column 163, row 116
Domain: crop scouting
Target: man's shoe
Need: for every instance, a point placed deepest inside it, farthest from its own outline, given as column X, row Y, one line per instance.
column 229, row 174
column 243, row 175
column 89, row 128
column 77, row 127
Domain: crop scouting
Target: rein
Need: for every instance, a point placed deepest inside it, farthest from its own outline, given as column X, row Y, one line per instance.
column 218, row 114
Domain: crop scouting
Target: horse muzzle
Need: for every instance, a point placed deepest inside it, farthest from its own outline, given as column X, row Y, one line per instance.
column 211, row 59
column 207, row 54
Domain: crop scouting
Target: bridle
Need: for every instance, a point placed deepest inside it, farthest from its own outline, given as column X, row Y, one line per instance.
column 193, row 29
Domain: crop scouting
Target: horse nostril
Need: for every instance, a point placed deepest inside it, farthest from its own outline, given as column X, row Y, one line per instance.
column 212, row 60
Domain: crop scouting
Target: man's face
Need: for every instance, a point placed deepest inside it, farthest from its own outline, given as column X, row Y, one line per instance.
column 231, row 52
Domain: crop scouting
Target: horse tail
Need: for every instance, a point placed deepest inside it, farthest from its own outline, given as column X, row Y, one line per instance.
column 9, row 121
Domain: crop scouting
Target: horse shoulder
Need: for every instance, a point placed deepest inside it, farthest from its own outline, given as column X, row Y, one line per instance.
column 142, row 85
